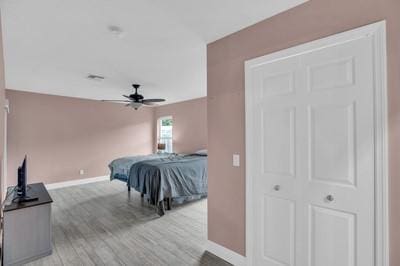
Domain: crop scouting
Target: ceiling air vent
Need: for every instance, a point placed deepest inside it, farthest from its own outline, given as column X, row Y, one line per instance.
column 95, row 77
column 116, row 30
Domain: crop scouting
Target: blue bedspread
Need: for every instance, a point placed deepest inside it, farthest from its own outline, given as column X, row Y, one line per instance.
column 170, row 177
column 120, row 167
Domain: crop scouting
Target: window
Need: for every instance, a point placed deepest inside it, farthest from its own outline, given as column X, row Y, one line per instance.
column 165, row 132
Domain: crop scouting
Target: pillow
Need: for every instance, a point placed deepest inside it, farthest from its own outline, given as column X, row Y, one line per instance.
column 201, row 152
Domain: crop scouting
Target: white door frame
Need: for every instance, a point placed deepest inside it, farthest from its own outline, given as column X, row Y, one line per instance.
column 378, row 33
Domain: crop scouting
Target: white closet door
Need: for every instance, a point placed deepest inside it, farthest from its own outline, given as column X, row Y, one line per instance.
column 313, row 183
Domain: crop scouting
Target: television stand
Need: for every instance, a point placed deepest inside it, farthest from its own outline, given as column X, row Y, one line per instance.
column 29, row 196
column 27, row 227
column 24, row 199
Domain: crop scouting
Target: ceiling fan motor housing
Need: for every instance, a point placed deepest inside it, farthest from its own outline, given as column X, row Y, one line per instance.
column 136, row 97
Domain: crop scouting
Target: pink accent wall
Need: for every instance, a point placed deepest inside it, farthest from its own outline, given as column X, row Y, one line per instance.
column 189, row 124
column 62, row 135
column 226, row 114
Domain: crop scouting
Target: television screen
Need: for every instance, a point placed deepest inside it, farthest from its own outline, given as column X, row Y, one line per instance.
column 21, row 186
column 23, row 191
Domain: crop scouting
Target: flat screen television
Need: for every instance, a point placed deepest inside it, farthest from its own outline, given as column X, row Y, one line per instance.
column 21, row 184
column 23, row 193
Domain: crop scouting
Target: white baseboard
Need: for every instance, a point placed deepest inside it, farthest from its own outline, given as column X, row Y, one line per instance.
column 226, row 254
column 77, row 182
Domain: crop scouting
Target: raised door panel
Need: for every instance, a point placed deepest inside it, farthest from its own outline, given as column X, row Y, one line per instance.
column 278, row 141
column 332, row 237
column 278, row 237
column 332, row 143
column 275, row 80
column 278, row 84
column 333, row 74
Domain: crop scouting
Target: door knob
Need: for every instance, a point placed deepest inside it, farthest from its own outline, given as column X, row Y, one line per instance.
column 330, row 198
column 277, row 187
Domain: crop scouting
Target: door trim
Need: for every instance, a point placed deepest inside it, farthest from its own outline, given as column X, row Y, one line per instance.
column 378, row 33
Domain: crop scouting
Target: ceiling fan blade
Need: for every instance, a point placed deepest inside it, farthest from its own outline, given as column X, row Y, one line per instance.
column 153, row 100
column 149, row 104
column 115, row 101
column 126, row 96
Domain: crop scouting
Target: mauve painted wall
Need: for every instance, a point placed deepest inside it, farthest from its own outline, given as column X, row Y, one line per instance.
column 190, row 124
column 226, row 111
column 62, row 135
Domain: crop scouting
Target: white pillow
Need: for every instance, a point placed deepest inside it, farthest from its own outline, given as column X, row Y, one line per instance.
column 201, row 152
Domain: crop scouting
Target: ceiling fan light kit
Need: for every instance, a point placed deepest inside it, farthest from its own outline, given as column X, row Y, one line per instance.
column 136, row 100
column 135, row 105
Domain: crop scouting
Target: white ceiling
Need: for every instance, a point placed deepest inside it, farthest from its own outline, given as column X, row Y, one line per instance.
column 50, row 46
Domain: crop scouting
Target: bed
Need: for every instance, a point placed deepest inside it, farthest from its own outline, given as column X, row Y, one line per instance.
column 120, row 168
column 163, row 178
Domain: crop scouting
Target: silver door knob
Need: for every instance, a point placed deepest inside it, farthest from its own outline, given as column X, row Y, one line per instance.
column 277, row 187
column 330, row 198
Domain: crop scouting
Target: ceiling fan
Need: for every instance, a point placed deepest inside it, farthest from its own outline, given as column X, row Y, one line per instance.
column 136, row 100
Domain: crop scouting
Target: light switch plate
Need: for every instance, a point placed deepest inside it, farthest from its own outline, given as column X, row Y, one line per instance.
column 236, row 160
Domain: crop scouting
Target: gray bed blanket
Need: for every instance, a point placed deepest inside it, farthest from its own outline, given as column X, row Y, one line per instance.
column 170, row 177
column 120, row 167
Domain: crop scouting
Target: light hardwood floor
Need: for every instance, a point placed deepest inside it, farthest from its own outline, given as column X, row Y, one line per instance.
column 101, row 224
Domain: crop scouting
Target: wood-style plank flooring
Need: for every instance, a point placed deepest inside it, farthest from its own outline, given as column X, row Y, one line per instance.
column 103, row 224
